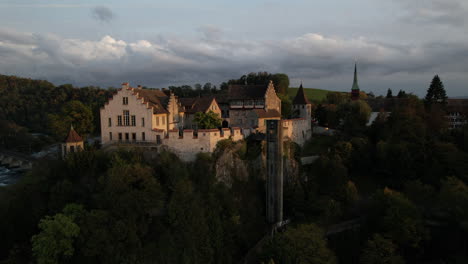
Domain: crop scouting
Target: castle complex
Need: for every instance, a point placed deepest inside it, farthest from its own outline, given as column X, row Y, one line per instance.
column 159, row 118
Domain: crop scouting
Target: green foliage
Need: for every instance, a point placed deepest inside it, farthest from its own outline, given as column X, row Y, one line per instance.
column 398, row 218
column 354, row 116
column 280, row 80
column 286, row 106
column 436, row 92
column 380, row 250
column 72, row 113
column 208, row 120
column 28, row 102
column 302, row 244
column 336, row 98
column 55, row 242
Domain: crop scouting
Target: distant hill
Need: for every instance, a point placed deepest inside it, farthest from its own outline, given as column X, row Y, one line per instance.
column 313, row 94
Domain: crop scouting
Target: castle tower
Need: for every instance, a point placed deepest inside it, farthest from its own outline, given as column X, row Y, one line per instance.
column 73, row 143
column 355, row 89
column 301, row 105
column 274, row 167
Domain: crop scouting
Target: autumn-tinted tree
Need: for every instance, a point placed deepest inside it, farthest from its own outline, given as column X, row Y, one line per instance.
column 380, row 250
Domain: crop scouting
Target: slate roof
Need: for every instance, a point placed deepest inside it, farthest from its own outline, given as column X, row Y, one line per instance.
column 197, row 104
column 301, row 98
column 73, row 136
column 262, row 113
column 156, row 98
column 240, row 92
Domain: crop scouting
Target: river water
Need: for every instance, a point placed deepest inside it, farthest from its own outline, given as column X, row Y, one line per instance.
column 9, row 176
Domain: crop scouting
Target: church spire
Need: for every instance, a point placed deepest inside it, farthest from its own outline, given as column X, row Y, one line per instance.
column 355, row 82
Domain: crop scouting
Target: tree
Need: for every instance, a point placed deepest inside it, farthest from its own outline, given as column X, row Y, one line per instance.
column 207, row 120
column 54, row 244
column 380, row 250
column 302, row 244
column 402, row 94
column 436, row 92
column 72, row 113
column 355, row 115
column 389, row 93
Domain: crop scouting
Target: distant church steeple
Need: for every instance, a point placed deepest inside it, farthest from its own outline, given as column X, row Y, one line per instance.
column 355, row 89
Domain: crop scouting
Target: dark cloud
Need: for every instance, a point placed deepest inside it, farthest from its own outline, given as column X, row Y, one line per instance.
column 321, row 61
column 102, row 14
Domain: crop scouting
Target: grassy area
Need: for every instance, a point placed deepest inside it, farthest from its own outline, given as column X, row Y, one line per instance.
column 313, row 94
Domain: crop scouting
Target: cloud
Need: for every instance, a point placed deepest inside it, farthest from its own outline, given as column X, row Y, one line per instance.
column 318, row 59
column 102, row 14
column 441, row 12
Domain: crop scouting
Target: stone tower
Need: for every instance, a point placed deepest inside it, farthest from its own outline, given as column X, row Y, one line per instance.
column 73, row 143
column 301, row 105
column 355, row 89
column 274, row 188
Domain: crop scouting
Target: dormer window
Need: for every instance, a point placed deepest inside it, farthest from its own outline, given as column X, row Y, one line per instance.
column 125, row 100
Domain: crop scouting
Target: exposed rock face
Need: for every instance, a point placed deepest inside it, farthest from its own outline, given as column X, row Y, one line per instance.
column 230, row 167
column 290, row 170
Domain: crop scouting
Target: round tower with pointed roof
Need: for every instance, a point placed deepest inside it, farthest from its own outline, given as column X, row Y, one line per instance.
column 301, row 105
column 73, row 143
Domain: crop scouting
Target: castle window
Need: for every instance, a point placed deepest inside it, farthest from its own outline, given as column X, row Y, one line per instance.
column 110, row 135
column 126, row 117
column 125, row 100
column 142, row 121
column 201, row 148
column 143, row 137
column 215, row 134
column 72, row 148
column 157, row 121
column 163, row 120
column 127, row 136
column 119, row 120
column 133, row 136
column 110, row 122
column 133, row 120
column 120, row 136
column 204, row 134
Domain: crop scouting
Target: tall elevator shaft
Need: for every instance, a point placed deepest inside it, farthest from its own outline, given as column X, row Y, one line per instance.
column 274, row 163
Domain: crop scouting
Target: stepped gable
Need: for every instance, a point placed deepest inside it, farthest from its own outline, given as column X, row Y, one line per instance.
column 301, row 98
column 239, row 92
column 73, row 136
column 156, row 99
column 261, row 113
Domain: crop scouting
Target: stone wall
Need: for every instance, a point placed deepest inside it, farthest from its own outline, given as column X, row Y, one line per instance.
column 187, row 144
column 297, row 130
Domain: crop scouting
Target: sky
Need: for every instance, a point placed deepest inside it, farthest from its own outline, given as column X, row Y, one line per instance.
column 398, row 44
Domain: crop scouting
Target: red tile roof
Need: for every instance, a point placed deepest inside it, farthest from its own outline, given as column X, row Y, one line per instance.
column 73, row 136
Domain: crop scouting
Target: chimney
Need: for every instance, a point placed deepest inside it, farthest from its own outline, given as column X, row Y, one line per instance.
column 125, row 85
column 139, row 87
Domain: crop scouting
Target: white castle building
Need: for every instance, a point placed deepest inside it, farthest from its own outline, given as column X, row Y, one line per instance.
column 159, row 118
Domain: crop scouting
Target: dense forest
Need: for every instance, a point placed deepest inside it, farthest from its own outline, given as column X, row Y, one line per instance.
column 393, row 192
